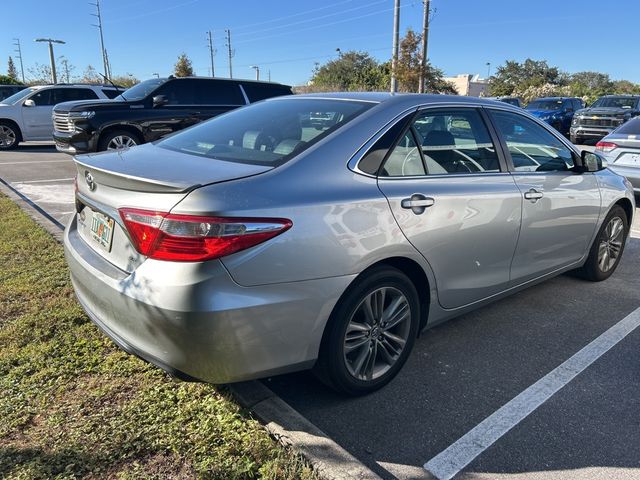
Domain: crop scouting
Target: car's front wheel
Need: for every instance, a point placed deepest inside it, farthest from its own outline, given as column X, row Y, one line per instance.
column 118, row 139
column 608, row 246
column 9, row 136
column 370, row 333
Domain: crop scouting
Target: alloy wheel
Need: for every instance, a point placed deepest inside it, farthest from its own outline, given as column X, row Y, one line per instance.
column 377, row 333
column 7, row 136
column 121, row 141
column 611, row 244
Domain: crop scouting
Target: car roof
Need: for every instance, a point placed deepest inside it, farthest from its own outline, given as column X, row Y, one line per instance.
column 409, row 99
column 235, row 80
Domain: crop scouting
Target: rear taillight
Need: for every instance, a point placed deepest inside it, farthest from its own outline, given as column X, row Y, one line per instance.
column 194, row 238
column 605, row 146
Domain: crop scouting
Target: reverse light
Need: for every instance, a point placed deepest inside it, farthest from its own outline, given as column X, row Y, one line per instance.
column 605, row 146
column 196, row 238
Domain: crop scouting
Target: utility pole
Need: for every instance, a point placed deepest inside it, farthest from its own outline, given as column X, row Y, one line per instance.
column 105, row 61
column 212, row 52
column 396, row 34
column 257, row 69
column 425, row 43
column 51, row 41
column 18, row 50
column 230, row 52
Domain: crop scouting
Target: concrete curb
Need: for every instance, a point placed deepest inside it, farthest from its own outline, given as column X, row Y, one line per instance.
column 330, row 460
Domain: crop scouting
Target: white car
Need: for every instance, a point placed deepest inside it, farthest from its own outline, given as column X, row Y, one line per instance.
column 26, row 115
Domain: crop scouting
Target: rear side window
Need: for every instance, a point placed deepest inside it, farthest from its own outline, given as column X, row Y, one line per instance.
column 110, row 93
column 72, row 94
column 260, row 91
column 267, row 133
column 449, row 142
column 212, row 92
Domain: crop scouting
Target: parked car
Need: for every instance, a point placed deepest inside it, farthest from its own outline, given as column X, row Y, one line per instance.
column 603, row 117
column 26, row 115
column 260, row 242
column 515, row 101
column 622, row 151
column 8, row 90
column 556, row 111
column 152, row 109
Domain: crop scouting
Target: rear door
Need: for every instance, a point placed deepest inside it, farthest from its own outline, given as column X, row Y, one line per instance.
column 560, row 208
column 449, row 191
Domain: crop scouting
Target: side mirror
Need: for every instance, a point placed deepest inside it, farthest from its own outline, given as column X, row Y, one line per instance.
column 592, row 161
column 159, row 100
column 29, row 103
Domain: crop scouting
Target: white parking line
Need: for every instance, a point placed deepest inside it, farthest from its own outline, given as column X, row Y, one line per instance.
column 458, row 455
column 46, row 180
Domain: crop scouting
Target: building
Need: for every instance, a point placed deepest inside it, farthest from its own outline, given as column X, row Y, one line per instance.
column 469, row 85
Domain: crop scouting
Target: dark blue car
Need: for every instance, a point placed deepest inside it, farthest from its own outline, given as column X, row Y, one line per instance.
column 556, row 111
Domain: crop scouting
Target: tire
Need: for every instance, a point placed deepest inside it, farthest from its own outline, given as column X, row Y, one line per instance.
column 9, row 136
column 126, row 138
column 608, row 247
column 374, row 354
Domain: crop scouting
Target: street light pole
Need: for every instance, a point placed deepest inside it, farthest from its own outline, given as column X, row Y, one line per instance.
column 257, row 69
column 51, row 41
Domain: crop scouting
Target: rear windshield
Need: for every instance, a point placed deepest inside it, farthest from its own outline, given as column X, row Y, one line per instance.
column 616, row 102
column 267, row 133
column 632, row 127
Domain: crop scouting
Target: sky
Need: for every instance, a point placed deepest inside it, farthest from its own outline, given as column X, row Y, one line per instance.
column 287, row 37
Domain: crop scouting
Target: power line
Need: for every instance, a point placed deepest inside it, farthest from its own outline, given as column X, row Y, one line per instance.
column 314, row 19
column 18, row 50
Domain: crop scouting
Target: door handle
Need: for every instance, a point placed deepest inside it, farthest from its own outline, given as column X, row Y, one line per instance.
column 533, row 195
column 417, row 203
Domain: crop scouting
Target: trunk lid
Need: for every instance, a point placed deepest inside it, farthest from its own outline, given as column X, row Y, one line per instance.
column 144, row 177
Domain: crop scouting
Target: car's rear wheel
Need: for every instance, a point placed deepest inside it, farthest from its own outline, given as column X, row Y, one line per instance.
column 370, row 333
column 9, row 136
column 608, row 246
column 118, row 139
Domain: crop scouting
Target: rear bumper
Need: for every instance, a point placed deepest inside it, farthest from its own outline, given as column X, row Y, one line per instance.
column 194, row 321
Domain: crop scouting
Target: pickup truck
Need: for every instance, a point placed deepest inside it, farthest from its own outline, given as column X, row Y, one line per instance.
column 604, row 116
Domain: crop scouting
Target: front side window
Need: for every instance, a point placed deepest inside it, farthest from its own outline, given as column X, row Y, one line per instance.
column 178, row 92
column 43, row 97
column 532, row 147
column 449, row 142
column 267, row 133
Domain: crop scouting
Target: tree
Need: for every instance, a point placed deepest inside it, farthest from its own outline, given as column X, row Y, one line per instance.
column 183, row 67
column 351, row 71
column 66, row 69
column 514, row 76
column 626, row 87
column 12, row 73
column 7, row 80
column 125, row 80
column 90, row 75
column 39, row 74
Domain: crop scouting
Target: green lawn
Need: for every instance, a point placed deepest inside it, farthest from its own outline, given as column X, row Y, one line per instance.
column 74, row 406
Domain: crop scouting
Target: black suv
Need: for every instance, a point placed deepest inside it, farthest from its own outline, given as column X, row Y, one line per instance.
column 152, row 109
column 604, row 116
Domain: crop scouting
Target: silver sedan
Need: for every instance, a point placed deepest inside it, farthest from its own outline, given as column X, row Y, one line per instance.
column 621, row 148
column 326, row 231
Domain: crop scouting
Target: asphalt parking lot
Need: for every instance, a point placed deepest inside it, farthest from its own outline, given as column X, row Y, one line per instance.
column 464, row 372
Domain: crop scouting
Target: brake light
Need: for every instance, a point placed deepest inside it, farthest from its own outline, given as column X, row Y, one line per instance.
column 195, row 238
column 605, row 146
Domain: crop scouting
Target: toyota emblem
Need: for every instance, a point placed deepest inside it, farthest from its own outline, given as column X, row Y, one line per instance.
column 89, row 179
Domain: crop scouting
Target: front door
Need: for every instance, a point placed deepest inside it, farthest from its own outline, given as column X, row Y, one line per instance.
column 560, row 208
column 36, row 120
column 454, row 201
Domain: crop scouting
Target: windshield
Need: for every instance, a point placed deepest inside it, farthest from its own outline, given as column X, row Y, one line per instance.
column 266, row 133
column 16, row 97
column 545, row 105
column 616, row 102
column 141, row 90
